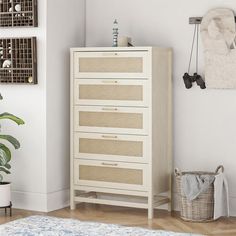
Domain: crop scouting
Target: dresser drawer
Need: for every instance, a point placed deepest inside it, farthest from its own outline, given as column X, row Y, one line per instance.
column 111, row 147
column 111, row 92
column 111, row 64
column 111, row 119
column 110, row 174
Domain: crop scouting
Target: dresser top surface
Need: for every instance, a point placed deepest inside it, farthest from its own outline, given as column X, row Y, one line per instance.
column 111, row 49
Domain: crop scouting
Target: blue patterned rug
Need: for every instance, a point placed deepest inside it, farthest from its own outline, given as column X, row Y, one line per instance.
column 51, row 226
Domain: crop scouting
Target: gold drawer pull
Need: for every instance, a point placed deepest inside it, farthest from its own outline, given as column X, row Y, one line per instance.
column 110, row 81
column 109, row 109
column 109, row 136
column 109, row 164
column 110, row 54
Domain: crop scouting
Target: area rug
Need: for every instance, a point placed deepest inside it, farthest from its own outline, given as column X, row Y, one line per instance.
column 51, row 226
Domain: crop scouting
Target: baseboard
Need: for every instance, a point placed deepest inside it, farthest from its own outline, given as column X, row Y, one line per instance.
column 29, row 201
column 232, row 206
column 58, row 200
column 39, row 201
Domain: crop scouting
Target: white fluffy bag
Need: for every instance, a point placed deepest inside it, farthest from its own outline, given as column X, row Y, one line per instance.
column 218, row 36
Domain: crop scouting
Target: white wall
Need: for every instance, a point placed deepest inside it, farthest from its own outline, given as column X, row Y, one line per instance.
column 204, row 120
column 65, row 29
column 28, row 165
column 40, row 173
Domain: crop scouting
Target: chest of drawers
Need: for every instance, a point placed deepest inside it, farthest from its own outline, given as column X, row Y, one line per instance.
column 121, row 134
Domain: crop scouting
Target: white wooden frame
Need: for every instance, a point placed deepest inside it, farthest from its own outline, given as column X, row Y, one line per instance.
column 143, row 111
column 111, row 190
column 103, row 54
column 143, row 139
column 142, row 167
column 106, row 196
column 116, row 82
column 158, row 70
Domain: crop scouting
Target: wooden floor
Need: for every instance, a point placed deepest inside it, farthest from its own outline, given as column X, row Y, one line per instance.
column 133, row 217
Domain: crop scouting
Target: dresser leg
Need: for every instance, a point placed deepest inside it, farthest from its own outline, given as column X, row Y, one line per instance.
column 72, row 206
column 150, row 208
column 170, row 195
column 150, row 213
column 170, row 202
column 72, row 203
column 169, row 207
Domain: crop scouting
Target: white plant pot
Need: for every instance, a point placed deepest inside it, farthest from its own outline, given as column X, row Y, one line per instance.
column 5, row 194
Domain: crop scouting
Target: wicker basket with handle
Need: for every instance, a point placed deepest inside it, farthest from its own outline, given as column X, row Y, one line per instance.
column 200, row 209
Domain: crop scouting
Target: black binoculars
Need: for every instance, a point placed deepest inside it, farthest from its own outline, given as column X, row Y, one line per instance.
column 189, row 79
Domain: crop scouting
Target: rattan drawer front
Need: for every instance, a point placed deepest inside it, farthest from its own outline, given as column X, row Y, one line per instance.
column 111, row 119
column 109, row 174
column 111, row 92
column 112, row 174
column 128, row 148
column 111, row 64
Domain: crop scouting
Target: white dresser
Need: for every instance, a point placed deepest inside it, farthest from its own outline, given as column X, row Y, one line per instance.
column 121, row 126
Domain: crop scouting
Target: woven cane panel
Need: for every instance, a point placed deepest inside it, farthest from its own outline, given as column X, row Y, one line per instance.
column 18, row 13
column 18, row 61
column 111, row 119
column 111, row 147
column 111, row 92
column 111, row 65
column 110, row 174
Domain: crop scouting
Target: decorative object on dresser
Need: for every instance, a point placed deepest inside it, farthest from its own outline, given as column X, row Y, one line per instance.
column 115, row 33
column 18, row 60
column 124, row 41
column 121, row 142
column 18, row 13
column 5, row 158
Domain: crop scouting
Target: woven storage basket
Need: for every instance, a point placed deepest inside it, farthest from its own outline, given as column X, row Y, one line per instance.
column 200, row 209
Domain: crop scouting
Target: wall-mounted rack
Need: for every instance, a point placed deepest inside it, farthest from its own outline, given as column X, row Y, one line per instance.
column 197, row 20
column 18, row 13
column 18, row 60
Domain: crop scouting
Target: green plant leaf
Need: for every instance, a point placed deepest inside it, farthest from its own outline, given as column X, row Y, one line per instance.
column 8, row 166
column 4, row 170
column 9, row 116
column 1, row 96
column 5, row 155
column 1, row 178
column 11, row 140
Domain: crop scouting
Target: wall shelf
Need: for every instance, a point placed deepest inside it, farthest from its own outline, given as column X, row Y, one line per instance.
column 18, row 60
column 18, row 13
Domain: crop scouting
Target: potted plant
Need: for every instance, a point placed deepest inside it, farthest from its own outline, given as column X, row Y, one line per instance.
column 5, row 157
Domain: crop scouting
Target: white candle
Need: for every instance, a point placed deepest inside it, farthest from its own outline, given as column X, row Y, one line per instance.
column 123, row 41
